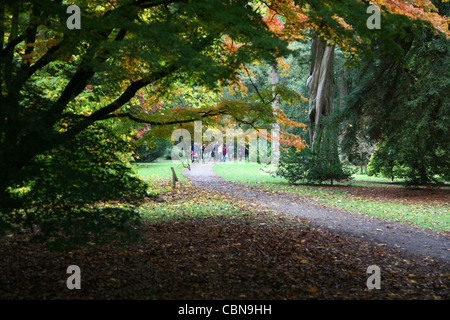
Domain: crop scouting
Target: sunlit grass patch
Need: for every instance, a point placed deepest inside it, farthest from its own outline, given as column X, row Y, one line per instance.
column 158, row 170
column 159, row 175
column 187, row 209
column 245, row 172
column 435, row 217
column 432, row 216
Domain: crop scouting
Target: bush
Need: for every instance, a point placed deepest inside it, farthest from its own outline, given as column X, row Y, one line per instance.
column 149, row 153
column 385, row 162
column 65, row 196
column 312, row 167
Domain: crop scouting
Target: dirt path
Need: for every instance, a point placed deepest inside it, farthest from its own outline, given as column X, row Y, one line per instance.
column 408, row 240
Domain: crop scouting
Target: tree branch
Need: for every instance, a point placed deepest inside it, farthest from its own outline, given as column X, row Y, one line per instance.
column 43, row 61
column 205, row 114
column 150, row 4
column 11, row 45
column 119, row 102
column 254, row 86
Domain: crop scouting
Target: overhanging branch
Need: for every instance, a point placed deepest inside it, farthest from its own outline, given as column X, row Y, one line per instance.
column 202, row 115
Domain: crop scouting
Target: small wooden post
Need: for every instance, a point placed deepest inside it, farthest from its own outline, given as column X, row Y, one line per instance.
column 174, row 177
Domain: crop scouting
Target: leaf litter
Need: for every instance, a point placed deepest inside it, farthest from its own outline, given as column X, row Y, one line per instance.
column 239, row 251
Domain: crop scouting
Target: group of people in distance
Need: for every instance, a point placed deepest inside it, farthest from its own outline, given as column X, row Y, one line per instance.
column 219, row 153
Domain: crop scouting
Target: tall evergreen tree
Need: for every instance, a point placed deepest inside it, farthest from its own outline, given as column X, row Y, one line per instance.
column 402, row 105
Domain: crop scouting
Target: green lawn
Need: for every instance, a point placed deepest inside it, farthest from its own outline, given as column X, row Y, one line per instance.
column 158, row 170
column 434, row 217
column 187, row 205
column 156, row 174
column 254, row 173
column 365, row 177
column 247, row 173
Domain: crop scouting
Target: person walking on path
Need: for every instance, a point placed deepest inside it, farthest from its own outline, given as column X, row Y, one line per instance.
column 220, row 152
column 240, row 153
column 224, row 152
column 203, row 152
column 213, row 153
column 230, row 152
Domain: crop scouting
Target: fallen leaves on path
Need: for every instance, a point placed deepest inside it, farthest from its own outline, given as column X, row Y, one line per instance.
column 256, row 255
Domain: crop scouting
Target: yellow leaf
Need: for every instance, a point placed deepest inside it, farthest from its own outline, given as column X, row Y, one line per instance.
column 303, row 260
column 312, row 289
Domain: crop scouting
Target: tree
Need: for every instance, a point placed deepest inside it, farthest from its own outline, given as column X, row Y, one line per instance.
column 66, row 196
column 153, row 45
column 146, row 43
column 344, row 25
column 318, row 165
column 57, row 85
column 320, row 80
column 320, row 88
column 344, row 17
column 406, row 112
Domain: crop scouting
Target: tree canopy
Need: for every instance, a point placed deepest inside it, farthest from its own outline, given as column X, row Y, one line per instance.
column 407, row 115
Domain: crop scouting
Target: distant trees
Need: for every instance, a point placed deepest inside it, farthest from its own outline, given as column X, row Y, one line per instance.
column 146, row 152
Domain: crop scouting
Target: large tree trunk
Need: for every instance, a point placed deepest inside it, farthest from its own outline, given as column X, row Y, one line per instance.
column 274, row 79
column 320, row 87
column 275, row 127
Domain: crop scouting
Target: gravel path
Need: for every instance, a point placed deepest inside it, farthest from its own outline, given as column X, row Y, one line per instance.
column 408, row 240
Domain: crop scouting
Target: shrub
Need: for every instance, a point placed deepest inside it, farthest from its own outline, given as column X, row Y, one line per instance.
column 149, row 153
column 72, row 196
column 312, row 167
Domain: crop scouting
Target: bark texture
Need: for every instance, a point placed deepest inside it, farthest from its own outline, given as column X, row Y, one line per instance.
column 320, row 87
column 275, row 127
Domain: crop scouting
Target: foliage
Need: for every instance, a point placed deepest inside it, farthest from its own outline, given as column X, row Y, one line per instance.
column 318, row 165
column 70, row 214
column 58, row 84
column 403, row 107
column 53, row 76
column 290, row 91
column 311, row 166
column 386, row 161
column 149, row 153
column 344, row 22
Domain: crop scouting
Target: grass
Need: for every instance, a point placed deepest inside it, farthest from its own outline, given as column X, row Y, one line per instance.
column 158, row 173
column 206, row 245
column 253, row 172
column 432, row 216
column 181, row 210
column 159, row 170
column 247, row 172
column 159, row 176
column 365, row 177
